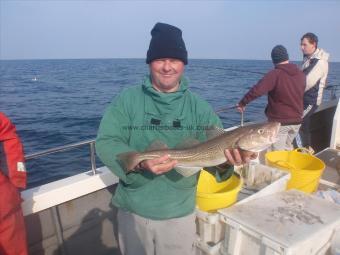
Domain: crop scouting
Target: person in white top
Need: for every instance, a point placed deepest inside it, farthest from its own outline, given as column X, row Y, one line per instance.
column 315, row 67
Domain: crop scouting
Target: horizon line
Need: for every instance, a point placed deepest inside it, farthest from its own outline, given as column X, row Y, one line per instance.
column 234, row 59
column 9, row 59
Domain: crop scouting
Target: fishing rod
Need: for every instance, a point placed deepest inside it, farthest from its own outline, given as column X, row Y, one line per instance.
column 328, row 87
column 332, row 88
column 223, row 109
column 229, row 69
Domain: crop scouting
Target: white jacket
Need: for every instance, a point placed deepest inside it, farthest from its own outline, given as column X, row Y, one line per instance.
column 319, row 72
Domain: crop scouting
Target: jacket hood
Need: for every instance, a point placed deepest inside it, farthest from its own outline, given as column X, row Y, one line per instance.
column 320, row 54
column 290, row 69
column 165, row 102
column 147, row 84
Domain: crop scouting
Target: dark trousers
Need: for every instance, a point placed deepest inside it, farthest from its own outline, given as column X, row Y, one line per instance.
column 304, row 139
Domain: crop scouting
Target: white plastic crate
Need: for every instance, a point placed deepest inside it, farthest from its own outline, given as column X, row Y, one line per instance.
column 335, row 243
column 210, row 228
column 331, row 175
column 203, row 248
column 262, row 180
column 285, row 223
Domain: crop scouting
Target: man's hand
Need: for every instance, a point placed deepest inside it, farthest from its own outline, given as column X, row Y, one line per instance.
column 240, row 108
column 159, row 165
column 238, row 157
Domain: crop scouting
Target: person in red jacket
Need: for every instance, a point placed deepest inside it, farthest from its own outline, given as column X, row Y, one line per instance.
column 12, row 177
column 285, row 86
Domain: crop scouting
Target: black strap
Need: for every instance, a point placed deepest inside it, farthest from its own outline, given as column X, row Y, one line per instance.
column 312, row 64
column 315, row 88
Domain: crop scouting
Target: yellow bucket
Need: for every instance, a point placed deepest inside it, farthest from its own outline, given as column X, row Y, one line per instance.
column 305, row 168
column 212, row 195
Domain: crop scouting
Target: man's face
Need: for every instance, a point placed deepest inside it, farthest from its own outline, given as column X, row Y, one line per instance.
column 166, row 74
column 307, row 47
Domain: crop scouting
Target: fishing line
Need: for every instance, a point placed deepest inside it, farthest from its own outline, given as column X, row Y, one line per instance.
column 229, row 69
column 335, row 87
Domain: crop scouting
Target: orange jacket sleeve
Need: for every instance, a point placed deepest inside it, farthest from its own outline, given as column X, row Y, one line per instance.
column 12, row 162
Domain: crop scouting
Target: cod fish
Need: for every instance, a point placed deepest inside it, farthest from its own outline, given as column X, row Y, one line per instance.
column 191, row 159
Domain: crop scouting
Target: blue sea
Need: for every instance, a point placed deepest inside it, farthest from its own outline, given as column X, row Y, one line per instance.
column 59, row 102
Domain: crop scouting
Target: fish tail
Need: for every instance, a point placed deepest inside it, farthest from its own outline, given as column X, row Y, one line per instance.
column 129, row 159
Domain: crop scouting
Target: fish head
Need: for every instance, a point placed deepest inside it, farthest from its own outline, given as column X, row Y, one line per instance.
column 257, row 137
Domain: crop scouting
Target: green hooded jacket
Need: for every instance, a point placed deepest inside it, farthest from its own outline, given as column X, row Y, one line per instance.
column 137, row 117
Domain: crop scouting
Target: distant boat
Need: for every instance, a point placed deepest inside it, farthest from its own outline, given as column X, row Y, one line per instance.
column 35, row 78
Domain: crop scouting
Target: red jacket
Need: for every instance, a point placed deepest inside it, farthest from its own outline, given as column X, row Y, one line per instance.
column 11, row 154
column 285, row 86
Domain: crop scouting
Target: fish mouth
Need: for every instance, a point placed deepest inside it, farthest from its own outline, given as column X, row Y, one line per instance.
column 261, row 140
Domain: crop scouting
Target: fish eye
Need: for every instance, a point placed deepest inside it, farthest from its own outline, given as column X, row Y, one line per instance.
column 260, row 131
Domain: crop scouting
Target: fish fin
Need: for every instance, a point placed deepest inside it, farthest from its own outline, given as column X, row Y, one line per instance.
column 187, row 171
column 213, row 132
column 129, row 159
column 157, row 145
column 187, row 143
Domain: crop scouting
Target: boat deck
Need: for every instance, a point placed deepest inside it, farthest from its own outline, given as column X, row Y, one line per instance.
column 75, row 216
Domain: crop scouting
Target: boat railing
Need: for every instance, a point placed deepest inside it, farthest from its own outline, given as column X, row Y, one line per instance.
column 333, row 89
column 90, row 143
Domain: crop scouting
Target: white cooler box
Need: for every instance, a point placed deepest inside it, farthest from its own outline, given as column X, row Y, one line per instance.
column 331, row 176
column 285, row 223
column 262, row 180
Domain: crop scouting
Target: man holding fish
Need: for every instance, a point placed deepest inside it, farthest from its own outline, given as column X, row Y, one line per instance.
column 152, row 137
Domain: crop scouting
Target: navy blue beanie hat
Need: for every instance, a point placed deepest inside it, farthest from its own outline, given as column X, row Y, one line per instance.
column 166, row 42
column 279, row 54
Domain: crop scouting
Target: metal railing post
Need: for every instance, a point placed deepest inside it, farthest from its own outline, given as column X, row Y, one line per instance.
column 93, row 158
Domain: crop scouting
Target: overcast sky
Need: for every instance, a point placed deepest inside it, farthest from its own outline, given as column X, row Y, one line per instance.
column 59, row 29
